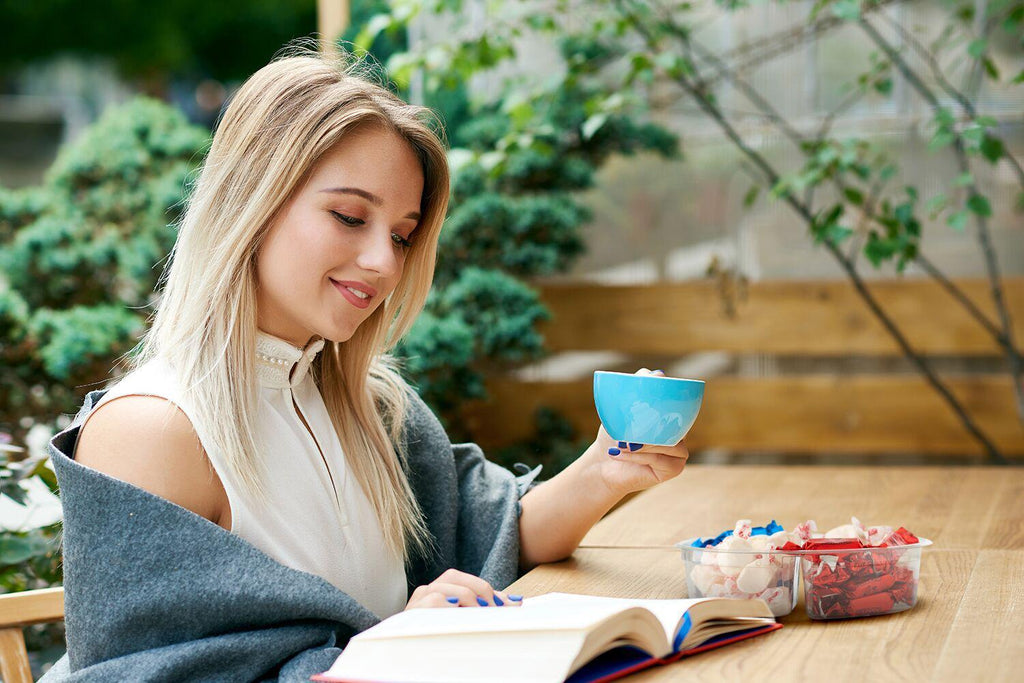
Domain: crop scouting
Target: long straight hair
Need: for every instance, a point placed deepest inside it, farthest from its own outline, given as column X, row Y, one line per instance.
column 281, row 121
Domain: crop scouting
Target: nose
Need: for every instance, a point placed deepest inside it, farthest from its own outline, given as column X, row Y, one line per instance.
column 377, row 252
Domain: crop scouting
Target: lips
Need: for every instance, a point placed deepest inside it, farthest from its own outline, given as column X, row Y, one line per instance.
column 343, row 288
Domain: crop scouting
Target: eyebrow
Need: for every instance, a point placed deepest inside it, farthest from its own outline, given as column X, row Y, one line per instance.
column 368, row 196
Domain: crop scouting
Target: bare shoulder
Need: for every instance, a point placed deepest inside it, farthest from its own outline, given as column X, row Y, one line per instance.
column 149, row 442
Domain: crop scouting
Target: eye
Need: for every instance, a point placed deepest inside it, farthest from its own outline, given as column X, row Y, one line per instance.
column 401, row 241
column 347, row 220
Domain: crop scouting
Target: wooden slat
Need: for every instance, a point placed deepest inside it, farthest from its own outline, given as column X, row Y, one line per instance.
column 32, row 607
column 14, row 666
column 781, row 317
column 799, row 414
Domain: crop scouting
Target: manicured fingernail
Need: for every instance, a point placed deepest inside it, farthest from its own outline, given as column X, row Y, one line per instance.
column 480, row 601
column 622, row 444
column 661, row 371
column 452, row 599
column 613, row 451
column 635, row 446
column 517, row 598
column 498, row 601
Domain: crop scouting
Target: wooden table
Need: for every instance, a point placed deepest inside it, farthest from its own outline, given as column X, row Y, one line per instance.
column 967, row 624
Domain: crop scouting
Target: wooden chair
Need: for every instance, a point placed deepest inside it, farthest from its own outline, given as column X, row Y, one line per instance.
column 18, row 610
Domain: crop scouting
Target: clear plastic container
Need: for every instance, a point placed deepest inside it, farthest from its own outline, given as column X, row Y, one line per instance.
column 860, row 582
column 770, row 575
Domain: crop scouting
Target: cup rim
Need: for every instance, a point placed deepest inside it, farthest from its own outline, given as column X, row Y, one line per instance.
column 686, row 545
column 630, row 374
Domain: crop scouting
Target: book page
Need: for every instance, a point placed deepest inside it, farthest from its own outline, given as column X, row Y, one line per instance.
column 668, row 611
column 574, row 614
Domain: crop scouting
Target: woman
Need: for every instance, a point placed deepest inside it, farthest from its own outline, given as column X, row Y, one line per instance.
column 262, row 484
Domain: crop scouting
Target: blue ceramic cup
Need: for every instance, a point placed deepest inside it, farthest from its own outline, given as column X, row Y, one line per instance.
column 647, row 409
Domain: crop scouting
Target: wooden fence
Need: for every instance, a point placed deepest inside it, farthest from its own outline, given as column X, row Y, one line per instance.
column 875, row 412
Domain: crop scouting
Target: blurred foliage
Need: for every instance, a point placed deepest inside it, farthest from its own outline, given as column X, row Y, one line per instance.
column 514, row 216
column 227, row 40
column 79, row 257
column 551, row 129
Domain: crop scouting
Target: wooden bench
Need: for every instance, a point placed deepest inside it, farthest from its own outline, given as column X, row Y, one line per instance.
column 18, row 610
column 874, row 412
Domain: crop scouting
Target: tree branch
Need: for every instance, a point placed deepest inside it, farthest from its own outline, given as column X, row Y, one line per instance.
column 762, row 164
column 992, row 265
column 940, row 78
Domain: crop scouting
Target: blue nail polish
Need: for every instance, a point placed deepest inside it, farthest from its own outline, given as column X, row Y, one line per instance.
column 517, row 598
column 480, row 601
column 622, row 444
column 498, row 601
column 613, row 451
column 452, row 599
column 635, row 446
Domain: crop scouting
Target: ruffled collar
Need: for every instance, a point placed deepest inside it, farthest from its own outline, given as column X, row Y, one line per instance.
column 280, row 364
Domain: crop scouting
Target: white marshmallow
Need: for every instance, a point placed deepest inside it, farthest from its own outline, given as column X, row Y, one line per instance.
column 703, row 577
column 753, row 579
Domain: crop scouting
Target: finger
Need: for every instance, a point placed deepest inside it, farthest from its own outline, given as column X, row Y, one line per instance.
column 430, row 601
column 465, row 597
column 504, row 599
column 665, row 466
column 474, row 583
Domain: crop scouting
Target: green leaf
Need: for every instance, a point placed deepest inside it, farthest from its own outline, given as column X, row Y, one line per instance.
column 977, row 48
column 990, row 68
column 942, row 139
column 1019, row 78
column 991, row 148
column 944, row 117
column 848, row 10
column 854, row 195
column 958, row 221
column 17, row 549
column 593, row 124
column 974, row 133
column 987, row 121
column 884, row 86
column 979, row 205
column 751, row 196
column 887, row 172
column 879, row 249
column 836, row 233
column 373, row 28
column 936, row 204
column 963, row 180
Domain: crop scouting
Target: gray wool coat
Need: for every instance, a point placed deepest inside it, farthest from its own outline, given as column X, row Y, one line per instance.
column 154, row 592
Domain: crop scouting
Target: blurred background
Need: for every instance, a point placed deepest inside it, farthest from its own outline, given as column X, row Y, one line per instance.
column 814, row 206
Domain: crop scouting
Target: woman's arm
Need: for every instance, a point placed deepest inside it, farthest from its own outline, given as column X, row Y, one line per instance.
column 558, row 513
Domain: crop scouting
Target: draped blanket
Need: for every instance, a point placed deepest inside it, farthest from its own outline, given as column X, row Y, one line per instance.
column 154, row 592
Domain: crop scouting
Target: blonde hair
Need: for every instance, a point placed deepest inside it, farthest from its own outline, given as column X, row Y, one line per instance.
column 281, row 121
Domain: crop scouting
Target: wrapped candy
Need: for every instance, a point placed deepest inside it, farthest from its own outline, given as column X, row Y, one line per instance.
column 851, row 570
column 744, row 562
column 857, row 570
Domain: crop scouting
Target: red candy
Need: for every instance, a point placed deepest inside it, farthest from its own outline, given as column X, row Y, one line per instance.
column 845, row 578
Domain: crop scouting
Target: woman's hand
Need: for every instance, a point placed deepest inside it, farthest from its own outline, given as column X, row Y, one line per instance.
column 624, row 470
column 459, row 589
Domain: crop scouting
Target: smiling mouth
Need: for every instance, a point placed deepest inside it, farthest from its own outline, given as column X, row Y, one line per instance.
column 353, row 296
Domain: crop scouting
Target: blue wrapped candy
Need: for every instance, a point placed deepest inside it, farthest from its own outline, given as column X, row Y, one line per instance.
column 766, row 530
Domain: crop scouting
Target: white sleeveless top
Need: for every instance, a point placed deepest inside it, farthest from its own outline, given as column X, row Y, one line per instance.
column 317, row 518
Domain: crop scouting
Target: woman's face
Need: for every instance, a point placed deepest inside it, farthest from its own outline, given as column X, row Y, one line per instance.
column 348, row 228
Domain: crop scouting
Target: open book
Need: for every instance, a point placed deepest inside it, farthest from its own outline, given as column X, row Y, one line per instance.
column 553, row 637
